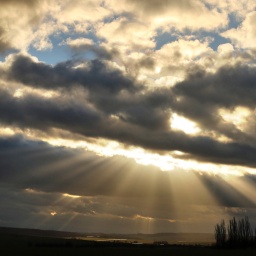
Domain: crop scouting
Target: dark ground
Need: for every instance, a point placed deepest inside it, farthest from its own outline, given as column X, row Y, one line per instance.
column 23, row 244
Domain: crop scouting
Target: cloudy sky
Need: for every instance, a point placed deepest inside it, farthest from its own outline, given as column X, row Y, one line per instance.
column 127, row 116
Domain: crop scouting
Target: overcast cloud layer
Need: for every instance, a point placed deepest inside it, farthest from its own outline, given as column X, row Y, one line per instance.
column 144, row 110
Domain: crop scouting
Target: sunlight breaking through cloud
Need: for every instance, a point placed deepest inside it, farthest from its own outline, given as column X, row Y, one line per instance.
column 184, row 124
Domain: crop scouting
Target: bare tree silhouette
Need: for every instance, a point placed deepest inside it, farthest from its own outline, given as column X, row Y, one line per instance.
column 237, row 234
column 220, row 234
column 245, row 233
column 233, row 232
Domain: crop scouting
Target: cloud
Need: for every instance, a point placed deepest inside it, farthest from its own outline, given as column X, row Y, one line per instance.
column 80, row 46
column 112, row 110
column 45, row 114
column 224, row 91
column 245, row 35
column 102, row 83
column 203, row 94
column 17, row 21
column 81, row 11
column 95, row 77
column 127, row 34
column 131, row 22
column 237, row 7
column 171, row 13
column 23, row 2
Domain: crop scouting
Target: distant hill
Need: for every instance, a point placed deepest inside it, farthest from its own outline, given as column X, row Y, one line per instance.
column 172, row 238
column 38, row 232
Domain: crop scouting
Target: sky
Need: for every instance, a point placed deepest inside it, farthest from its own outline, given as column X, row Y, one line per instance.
column 127, row 116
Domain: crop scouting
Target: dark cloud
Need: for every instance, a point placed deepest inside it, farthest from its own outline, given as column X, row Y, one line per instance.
column 100, row 52
column 145, row 109
column 125, row 112
column 206, row 149
column 97, row 77
column 228, row 87
column 44, row 114
column 202, row 94
column 103, row 84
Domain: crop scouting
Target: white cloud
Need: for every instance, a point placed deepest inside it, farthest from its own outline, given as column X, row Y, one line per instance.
column 126, row 35
column 81, row 11
column 238, row 116
column 78, row 42
column 175, row 58
column 23, row 23
column 245, row 35
column 187, row 50
column 170, row 13
column 239, row 7
column 224, row 49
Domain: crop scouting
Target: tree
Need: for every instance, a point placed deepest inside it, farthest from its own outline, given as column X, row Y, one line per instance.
column 220, row 234
column 238, row 233
column 245, row 233
column 233, row 232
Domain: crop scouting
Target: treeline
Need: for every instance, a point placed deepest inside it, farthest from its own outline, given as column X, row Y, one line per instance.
column 237, row 234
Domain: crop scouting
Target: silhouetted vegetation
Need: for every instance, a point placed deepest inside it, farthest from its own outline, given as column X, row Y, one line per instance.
column 238, row 234
column 220, row 234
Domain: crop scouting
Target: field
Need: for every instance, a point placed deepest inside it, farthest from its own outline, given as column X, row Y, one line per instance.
column 23, row 244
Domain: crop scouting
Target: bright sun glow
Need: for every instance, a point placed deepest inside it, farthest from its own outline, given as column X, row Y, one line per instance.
column 183, row 124
column 6, row 131
column 71, row 196
column 166, row 162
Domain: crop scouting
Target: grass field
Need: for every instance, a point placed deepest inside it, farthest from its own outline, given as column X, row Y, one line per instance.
column 13, row 245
